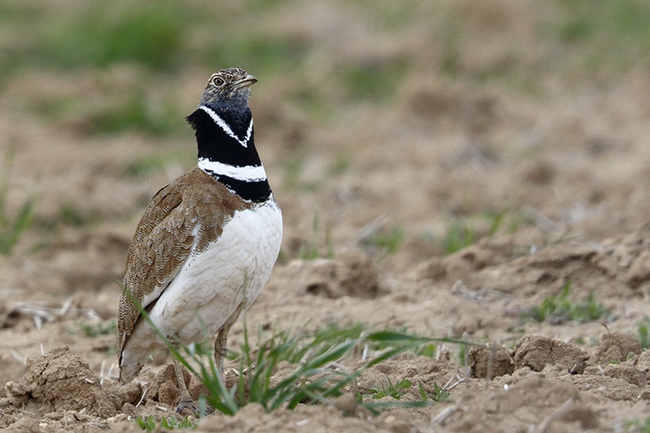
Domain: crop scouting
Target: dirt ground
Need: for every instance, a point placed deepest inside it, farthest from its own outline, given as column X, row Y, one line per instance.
column 567, row 169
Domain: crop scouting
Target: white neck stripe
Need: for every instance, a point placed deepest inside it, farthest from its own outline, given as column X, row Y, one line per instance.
column 246, row 173
column 223, row 125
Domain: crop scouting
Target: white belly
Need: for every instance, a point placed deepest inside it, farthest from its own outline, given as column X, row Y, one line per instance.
column 212, row 284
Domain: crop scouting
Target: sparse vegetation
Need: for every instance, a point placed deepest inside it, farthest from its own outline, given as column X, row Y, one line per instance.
column 462, row 355
column 602, row 36
column 426, row 349
column 136, row 110
column 644, row 332
column 96, row 329
column 386, row 388
column 102, row 33
column 638, row 426
column 159, row 39
column 459, row 234
column 12, row 227
column 384, row 240
column 389, row 389
column 439, row 394
column 149, row 423
column 465, row 230
column 317, row 374
column 70, row 214
column 559, row 308
column 341, row 164
column 310, row 250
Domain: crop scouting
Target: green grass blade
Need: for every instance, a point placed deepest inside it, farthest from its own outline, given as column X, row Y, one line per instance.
column 391, row 336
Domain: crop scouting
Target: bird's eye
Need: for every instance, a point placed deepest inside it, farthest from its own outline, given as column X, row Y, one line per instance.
column 218, row 81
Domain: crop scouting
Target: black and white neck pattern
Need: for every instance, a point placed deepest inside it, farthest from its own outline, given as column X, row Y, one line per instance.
column 227, row 129
column 227, row 150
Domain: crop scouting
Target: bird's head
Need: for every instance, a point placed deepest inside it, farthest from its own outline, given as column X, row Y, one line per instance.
column 228, row 87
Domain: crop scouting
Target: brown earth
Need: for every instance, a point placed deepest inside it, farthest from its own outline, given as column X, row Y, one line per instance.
column 570, row 168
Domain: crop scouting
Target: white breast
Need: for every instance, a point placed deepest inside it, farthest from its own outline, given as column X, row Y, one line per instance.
column 213, row 283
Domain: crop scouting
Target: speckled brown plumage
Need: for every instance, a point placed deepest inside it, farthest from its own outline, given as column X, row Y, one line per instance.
column 163, row 239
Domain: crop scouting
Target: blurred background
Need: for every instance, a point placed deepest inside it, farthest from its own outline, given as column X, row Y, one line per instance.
column 409, row 129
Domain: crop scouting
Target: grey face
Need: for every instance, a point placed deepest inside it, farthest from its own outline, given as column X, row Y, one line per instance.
column 230, row 86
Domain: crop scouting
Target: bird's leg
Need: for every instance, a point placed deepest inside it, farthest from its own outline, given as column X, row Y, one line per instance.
column 186, row 399
column 221, row 348
column 221, row 342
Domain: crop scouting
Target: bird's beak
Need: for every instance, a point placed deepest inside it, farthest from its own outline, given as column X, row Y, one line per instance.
column 249, row 80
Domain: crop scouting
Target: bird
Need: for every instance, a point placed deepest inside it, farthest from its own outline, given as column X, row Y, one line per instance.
column 206, row 243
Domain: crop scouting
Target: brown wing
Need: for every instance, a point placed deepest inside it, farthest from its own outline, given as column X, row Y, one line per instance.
column 162, row 242
column 163, row 239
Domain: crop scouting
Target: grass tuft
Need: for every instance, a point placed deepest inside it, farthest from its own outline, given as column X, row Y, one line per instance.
column 464, row 231
column 316, row 373
column 388, row 389
column 459, row 234
column 559, row 309
column 644, row 332
column 439, row 395
column 171, row 423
